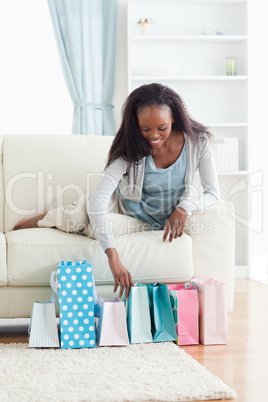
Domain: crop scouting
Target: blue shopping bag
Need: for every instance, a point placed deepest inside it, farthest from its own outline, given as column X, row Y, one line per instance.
column 76, row 302
column 138, row 315
column 163, row 327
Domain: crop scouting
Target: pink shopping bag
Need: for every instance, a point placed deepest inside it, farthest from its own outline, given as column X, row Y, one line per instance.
column 212, row 297
column 184, row 302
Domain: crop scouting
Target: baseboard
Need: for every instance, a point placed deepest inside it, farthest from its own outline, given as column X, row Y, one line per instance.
column 241, row 272
column 259, row 276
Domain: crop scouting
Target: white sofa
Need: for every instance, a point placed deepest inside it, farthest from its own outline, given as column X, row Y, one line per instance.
column 41, row 171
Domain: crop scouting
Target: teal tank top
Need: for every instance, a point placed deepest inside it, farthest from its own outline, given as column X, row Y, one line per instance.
column 161, row 192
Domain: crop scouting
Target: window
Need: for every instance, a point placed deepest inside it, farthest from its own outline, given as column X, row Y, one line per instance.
column 34, row 98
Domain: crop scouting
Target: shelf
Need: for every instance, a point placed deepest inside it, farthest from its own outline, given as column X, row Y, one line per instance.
column 189, row 38
column 233, row 173
column 218, row 101
column 189, row 78
column 226, row 125
column 175, row 2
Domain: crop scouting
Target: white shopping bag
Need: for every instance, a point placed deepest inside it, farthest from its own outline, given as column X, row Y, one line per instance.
column 112, row 326
column 43, row 331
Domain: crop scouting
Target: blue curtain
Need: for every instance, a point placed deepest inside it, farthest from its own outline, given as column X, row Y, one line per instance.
column 85, row 33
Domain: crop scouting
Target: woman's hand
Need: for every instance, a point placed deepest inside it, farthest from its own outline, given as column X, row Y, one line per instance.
column 121, row 275
column 175, row 224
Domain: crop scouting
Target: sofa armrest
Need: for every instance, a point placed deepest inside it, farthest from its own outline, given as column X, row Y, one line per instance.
column 213, row 238
column 3, row 265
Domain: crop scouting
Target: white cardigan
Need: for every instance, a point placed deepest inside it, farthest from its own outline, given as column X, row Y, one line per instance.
column 199, row 156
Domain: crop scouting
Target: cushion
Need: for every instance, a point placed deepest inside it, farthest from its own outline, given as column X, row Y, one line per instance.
column 42, row 169
column 34, row 253
column 11, row 297
column 3, row 267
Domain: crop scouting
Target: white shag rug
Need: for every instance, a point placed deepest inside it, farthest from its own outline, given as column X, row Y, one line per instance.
column 141, row 372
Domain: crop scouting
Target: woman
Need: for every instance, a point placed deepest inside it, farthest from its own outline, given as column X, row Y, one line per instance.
column 149, row 174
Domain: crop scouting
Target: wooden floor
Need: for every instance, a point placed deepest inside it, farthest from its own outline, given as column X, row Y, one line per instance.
column 243, row 363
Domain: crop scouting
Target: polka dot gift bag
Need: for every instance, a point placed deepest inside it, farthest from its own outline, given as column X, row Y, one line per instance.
column 76, row 301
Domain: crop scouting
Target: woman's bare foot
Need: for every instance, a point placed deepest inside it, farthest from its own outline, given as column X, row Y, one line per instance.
column 29, row 223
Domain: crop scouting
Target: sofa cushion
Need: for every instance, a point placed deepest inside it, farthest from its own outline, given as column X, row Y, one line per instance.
column 41, row 170
column 34, row 253
column 16, row 301
column 3, row 267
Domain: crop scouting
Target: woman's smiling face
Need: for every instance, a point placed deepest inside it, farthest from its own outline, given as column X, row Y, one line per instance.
column 155, row 124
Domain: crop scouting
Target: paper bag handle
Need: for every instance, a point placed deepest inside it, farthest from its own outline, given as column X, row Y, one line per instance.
column 54, row 286
column 191, row 285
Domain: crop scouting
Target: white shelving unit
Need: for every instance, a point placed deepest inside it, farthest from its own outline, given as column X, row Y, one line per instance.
column 189, row 38
column 178, row 55
column 189, row 78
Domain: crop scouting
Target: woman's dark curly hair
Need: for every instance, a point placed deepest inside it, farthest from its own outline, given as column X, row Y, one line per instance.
column 129, row 142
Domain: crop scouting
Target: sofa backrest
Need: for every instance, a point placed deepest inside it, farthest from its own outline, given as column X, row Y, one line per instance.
column 1, row 187
column 44, row 171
